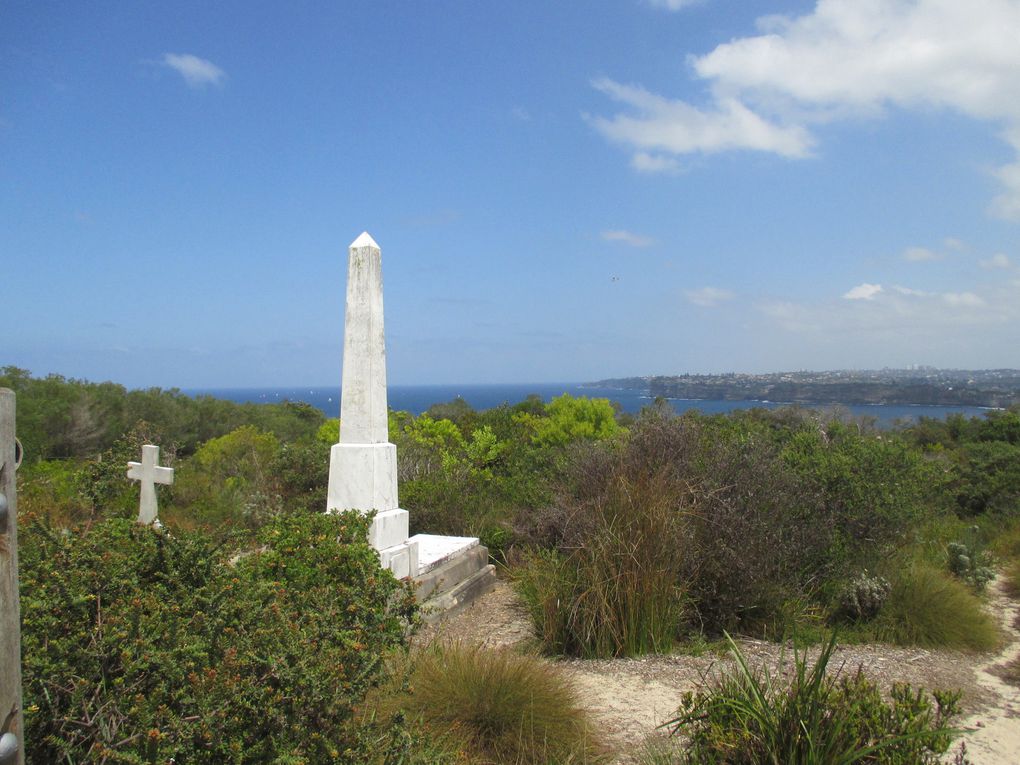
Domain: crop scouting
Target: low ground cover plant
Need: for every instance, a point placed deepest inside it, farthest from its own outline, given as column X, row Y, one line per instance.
column 749, row 717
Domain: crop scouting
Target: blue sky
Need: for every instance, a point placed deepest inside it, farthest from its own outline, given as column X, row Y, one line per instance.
column 561, row 191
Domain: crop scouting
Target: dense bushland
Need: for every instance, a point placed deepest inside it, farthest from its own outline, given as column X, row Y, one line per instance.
column 625, row 534
column 60, row 418
column 744, row 523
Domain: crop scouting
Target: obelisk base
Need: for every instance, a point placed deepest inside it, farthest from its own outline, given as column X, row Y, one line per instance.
column 364, row 477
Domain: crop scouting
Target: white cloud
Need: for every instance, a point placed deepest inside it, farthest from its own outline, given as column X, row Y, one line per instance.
column 919, row 254
column 519, row 112
column 708, row 296
column 197, row 72
column 845, row 58
column 998, row 260
column 957, row 245
column 863, row 292
column 628, row 238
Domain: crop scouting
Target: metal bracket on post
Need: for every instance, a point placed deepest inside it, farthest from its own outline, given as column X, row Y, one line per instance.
column 8, row 748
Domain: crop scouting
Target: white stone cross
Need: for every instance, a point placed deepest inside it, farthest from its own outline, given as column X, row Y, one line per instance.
column 149, row 473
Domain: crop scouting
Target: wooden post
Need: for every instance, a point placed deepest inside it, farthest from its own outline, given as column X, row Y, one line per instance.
column 12, row 730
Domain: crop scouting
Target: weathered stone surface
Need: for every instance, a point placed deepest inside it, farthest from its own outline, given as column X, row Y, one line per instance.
column 363, row 394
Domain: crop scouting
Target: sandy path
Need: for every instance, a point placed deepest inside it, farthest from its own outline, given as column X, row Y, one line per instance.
column 993, row 734
column 630, row 698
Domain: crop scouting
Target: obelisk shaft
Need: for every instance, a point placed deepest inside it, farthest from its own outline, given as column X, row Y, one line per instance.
column 363, row 465
column 363, row 411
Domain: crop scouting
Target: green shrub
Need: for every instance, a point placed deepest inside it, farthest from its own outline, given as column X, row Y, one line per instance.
column 50, row 488
column 863, row 597
column 567, row 419
column 874, row 491
column 928, row 607
column 504, row 707
column 144, row 646
column 749, row 717
column 230, row 480
column 301, row 471
column 988, row 478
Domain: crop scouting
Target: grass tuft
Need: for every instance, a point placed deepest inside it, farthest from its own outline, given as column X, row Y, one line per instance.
column 617, row 593
column 504, row 707
column 929, row 608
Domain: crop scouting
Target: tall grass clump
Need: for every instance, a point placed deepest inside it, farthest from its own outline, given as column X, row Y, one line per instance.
column 616, row 591
column 750, row 717
column 502, row 706
column 928, row 607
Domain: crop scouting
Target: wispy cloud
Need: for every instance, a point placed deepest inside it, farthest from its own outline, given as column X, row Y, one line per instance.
column 863, row 292
column 900, row 316
column 674, row 5
column 654, row 163
column 656, row 125
column 520, row 113
column 627, row 237
column 965, row 299
column 197, row 72
column 920, row 254
column 843, row 59
column 997, row 261
column 708, row 296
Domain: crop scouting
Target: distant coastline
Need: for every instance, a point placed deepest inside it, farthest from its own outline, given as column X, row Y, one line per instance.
column 988, row 389
column 631, row 399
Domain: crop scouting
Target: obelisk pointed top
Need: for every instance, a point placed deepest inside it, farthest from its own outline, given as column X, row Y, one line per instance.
column 364, row 241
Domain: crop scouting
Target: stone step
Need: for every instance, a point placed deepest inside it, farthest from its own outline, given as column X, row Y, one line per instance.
column 451, row 572
column 451, row 602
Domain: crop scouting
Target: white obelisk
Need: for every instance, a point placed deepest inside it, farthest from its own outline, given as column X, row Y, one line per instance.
column 363, row 465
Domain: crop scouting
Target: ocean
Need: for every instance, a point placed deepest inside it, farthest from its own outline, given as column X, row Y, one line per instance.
column 417, row 398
